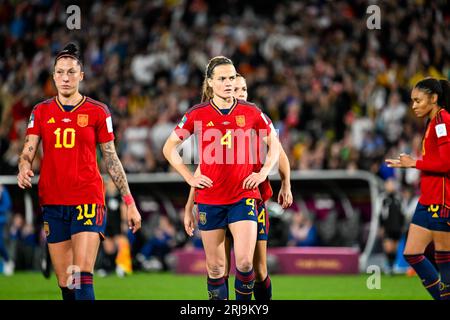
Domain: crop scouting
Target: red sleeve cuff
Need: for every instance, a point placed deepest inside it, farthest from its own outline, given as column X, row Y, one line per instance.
column 419, row 164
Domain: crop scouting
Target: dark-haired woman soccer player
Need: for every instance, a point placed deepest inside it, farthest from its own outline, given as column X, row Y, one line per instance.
column 227, row 188
column 71, row 194
column 431, row 220
column 263, row 288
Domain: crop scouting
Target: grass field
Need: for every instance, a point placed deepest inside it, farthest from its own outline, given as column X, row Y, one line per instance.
column 167, row 286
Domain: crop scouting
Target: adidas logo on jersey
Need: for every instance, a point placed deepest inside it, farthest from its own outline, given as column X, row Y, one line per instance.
column 210, row 124
column 88, row 222
column 52, row 120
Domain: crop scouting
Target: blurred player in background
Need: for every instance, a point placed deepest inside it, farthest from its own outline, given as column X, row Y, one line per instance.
column 70, row 187
column 115, row 234
column 392, row 221
column 263, row 288
column 227, row 188
column 431, row 221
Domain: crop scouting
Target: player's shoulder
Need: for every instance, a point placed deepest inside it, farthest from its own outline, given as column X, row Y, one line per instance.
column 443, row 116
column 251, row 108
column 248, row 105
column 197, row 107
column 43, row 104
column 98, row 104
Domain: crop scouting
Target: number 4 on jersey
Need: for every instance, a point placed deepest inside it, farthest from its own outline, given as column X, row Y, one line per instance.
column 226, row 139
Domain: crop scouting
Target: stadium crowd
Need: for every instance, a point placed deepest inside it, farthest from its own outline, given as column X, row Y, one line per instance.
column 337, row 91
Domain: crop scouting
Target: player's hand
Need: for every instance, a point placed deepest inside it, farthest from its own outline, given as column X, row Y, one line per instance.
column 200, row 182
column 285, row 197
column 189, row 221
column 24, row 178
column 403, row 161
column 134, row 218
column 253, row 180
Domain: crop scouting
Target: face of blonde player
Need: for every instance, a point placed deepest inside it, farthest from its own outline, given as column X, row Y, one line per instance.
column 67, row 76
column 222, row 82
column 240, row 89
column 423, row 103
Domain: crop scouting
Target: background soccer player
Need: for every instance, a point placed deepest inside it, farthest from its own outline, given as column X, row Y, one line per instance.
column 227, row 190
column 263, row 288
column 70, row 187
column 431, row 220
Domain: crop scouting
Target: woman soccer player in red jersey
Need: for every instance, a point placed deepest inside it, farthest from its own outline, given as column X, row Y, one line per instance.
column 262, row 288
column 227, row 188
column 431, row 221
column 70, row 187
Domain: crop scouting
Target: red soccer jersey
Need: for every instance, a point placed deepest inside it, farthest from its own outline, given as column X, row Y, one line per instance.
column 69, row 172
column 225, row 144
column 435, row 163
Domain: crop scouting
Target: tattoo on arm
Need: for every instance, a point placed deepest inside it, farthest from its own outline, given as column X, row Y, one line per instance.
column 29, row 150
column 114, row 167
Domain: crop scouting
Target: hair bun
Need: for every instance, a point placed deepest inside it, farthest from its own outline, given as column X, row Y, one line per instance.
column 71, row 48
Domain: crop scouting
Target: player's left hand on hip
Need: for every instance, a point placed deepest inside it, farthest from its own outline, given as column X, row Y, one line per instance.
column 134, row 218
column 253, row 181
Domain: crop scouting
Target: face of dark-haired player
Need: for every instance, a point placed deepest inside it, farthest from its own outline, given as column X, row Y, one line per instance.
column 222, row 82
column 240, row 89
column 67, row 76
column 422, row 102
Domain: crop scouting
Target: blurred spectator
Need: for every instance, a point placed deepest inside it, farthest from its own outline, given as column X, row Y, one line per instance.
column 5, row 207
column 279, row 225
column 153, row 254
column 302, row 232
column 391, row 118
column 24, row 244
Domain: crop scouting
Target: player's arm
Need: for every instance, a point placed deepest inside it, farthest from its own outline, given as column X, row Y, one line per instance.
column 273, row 155
column 115, row 170
column 171, row 154
column 26, row 160
column 440, row 165
column 189, row 217
column 285, row 195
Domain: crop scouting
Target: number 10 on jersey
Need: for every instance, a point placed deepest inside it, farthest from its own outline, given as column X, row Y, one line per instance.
column 68, row 138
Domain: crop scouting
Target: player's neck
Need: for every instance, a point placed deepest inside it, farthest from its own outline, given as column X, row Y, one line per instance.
column 223, row 103
column 70, row 100
column 434, row 112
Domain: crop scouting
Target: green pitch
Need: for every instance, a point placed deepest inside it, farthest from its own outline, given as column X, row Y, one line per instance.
column 167, row 286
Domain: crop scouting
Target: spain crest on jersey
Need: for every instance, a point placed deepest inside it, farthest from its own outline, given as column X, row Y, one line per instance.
column 83, row 120
column 240, row 120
